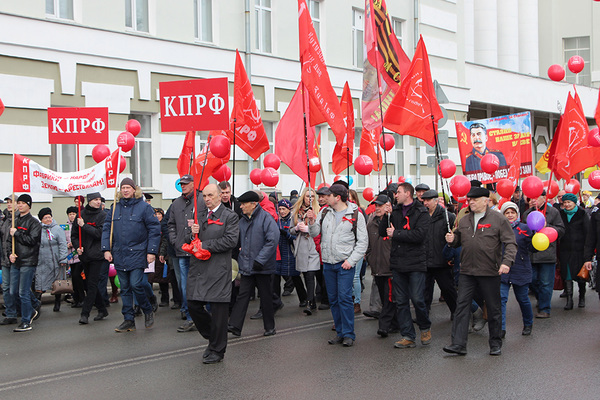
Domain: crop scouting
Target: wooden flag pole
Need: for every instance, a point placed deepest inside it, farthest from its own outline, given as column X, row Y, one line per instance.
column 114, row 206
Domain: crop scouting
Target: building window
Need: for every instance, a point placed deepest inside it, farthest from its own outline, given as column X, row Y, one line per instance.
column 262, row 9
column 136, row 15
column 358, row 32
column 63, row 157
column 578, row 46
column 141, row 154
column 62, row 9
column 315, row 14
column 397, row 25
column 203, row 20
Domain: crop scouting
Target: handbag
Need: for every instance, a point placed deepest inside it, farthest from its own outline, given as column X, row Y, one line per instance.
column 61, row 286
column 584, row 274
column 558, row 281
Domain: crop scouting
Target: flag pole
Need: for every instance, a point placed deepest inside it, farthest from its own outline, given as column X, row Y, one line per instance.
column 114, row 206
column 347, row 163
column 78, row 201
column 13, row 207
column 201, row 178
column 381, row 120
column 306, row 136
column 233, row 174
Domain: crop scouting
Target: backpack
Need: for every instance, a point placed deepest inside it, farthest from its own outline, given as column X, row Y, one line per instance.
column 354, row 217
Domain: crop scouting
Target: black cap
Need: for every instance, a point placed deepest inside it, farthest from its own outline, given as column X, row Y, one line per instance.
column 478, row 192
column 92, row 196
column 72, row 209
column 381, row 199
column 475, row 183
column 248, row 197
column 393, row 187
column 43, row 212
column 341, row 182
column 324, row 191
column 25, row 198
column 430, row 194
column 148, row 196
column 421, row 186
column 338, row 190
column 186, row 179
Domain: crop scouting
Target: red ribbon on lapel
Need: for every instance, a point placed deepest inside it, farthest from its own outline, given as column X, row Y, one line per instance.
column 216, row 221
column 481, row 226
column 407, row 225
column 522, row 232
column 351, row 220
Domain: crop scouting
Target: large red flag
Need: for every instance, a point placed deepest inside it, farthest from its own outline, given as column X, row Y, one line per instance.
column 245, row 116
column 369, row 140
column 1, row 107
column 385, row 64
column 212, row 163
column 596, row 117
column 289, row 137
column 343, row 153
column 570, row 152
column 411, row 110
column 184, row 163
column 324, row 103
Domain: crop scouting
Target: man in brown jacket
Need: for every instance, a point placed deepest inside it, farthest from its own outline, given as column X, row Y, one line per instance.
column 482, row 234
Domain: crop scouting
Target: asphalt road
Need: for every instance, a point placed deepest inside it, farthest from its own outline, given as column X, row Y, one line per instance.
column 59, row 359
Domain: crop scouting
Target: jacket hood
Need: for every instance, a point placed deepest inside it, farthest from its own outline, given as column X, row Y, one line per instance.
column 137, row 195
column 51, row 225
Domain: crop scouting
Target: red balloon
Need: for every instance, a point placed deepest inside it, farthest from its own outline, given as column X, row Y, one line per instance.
column 123, row 164
column 386, row 141
column 594, row 137
column 220, row 146
column 272, row 160
column 553, row 191
column 532, row 187
column 460, row 185
column 594, row 179
column 269, row 176
column 401, row 179
column 556, row 73
column 505, row 188
column 100, row 152
column 368, row 194
column 490, row 163
column 255, row 176
column 314, row 164
column 550, row 232
column 576, row 64
column 125, row 141
column 223, row 173
column 573, row 186
column 447, row 168
column 133, row 126
column 363, row 165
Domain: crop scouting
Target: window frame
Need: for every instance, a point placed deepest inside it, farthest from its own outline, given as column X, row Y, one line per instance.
column 56, row 4
column 584, row 77
column 133, row 13
column 135, row 157
column 200, row 20
column 358, row 45
column 260, row 10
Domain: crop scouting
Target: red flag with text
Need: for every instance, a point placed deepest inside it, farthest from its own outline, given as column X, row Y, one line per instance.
column 343, row 153
column 184, row 163
column 212, row 163
column 411, row 110
column 369, row 142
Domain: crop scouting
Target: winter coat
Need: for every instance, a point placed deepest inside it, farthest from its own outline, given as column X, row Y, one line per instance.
column 338, row 242
column 91, row 231
column 136, row 232
column 379, row 250
column 286, row 265
column 181, row 217
column 409, row 241
column 572, row 243
column 210, row 280
column 305, row 251
column 5, row 226
column 436, row 238
column 259, row 236
column 553, row 220
column 521, row 272
column 53, row 252
column 73, row 257
column 27, row 240
column 166, row 248
column 481, row 253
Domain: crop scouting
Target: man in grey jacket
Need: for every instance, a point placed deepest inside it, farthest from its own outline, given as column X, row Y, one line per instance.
column 344, row 242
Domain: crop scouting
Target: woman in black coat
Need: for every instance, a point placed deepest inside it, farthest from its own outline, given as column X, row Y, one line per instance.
column 571, row 247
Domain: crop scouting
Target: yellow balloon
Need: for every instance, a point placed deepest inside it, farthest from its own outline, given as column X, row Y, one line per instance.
column 540, row 241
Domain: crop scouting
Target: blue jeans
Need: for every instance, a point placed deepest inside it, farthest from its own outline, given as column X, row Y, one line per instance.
column 183, row 264
column 339, row 290
column 132, row 283
column 147, row 289
column 20, row 289
column 357, row 287
column 521, row 293
column 410, row 286
column 542, row 283
column 9, row 301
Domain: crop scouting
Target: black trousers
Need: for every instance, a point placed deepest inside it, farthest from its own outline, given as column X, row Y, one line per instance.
column 388, row 318
column 213, row 325
column 240, row 308
column 309, row 280
column 489, row 288
column 298, row 284
column 92, row 270
column 443, row 277
column 321, row 285
column 78, row 286
column 173, row 282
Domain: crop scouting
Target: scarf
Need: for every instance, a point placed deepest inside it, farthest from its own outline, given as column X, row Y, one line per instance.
column 570, row 213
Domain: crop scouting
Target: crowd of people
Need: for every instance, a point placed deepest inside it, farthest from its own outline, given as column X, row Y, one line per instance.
column 214, row 252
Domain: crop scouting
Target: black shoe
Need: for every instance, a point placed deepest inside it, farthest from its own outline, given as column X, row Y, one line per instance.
column 303, row 304
column 154, row 304
column 495, row 351
column 234, row 331
column 278, row 308
column 526, row 330
column 206, row 353
column 258, row 315
column 270, row 332
column 371, row 314
column 36, row 312
column 323, row 306
column 503, row 334
column 382, row 332
column 23, row 327
column 581, row 303
column 212, row 358
column 183, row 316
column 101, row 315
column 348, row 342
column 307, row 311
column 83, row 320
column 56, row 306
column 149, row 320
column 77, row 305
column 137, row 311
column 336, row 340
column 126, row 326
column 455, row 349
column 187, row 327
column 8, row 321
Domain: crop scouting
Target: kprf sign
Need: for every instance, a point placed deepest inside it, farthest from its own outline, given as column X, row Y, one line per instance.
column 78, row 125
column 194, row 105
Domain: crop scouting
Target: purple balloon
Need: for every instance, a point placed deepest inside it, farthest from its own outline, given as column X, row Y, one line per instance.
column 536, row 220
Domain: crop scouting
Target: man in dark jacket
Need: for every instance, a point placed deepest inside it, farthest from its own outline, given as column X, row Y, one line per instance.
column 408, row 228
column 23, row 262
column 438, row 269
column 91, row 256
column 5, row 237
column 210, row 280
column 259, row 236
column 482, row 233
column 131, row 240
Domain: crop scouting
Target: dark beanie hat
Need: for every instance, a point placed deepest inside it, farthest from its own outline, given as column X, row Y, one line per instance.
column 127, row 181
column 25, row 198
column 72, row 209
column 43, row 212
column 95, row 195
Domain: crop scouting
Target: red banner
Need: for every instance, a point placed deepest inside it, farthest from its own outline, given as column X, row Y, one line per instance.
column 194, row 105
column 78, row 125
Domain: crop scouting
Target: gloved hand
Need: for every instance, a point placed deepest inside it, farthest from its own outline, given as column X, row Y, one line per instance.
column 257, row 266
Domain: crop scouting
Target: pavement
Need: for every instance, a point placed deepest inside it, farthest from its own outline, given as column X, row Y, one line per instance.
column 59, row 359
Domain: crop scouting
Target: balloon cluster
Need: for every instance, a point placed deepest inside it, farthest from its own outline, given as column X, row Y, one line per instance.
column 557, row 73
column 125, row 140
column 269, row 175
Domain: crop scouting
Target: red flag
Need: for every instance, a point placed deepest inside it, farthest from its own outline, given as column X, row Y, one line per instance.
column 324, row 103
column 385, row 64
column 1, row 107
column 249, row 129
column 570, row 152
column 369, row 140
column 343, row 152
column 184, row 163
column 411, row 110
column 212, row 163
column 289, row 137
column 596, row 117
